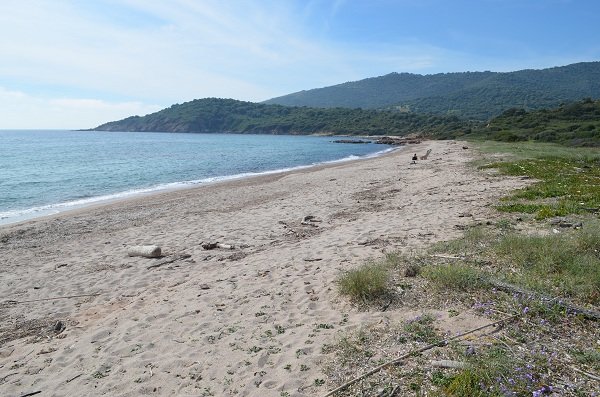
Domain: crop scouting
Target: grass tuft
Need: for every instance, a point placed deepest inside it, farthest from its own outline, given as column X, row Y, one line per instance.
column 457, row 276
column 366, row 284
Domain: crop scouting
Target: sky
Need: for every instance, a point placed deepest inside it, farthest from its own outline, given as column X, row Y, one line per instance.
column 70, row 64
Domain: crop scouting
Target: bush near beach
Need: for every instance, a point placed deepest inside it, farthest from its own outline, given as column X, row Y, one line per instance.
column 537, row 266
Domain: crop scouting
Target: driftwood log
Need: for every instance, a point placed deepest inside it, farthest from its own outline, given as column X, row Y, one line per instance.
column 568, row 306
column 426, row 155
column 212, row 246
column 147, row 251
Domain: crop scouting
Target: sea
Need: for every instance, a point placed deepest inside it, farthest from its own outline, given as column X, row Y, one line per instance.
column 47, row 172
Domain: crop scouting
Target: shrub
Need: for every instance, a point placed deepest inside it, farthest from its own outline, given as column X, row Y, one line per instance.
column 456, row 276
column 367, row 283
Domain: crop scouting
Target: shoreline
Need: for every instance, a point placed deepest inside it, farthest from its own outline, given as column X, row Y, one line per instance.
column 56, row 209
column 245, row 321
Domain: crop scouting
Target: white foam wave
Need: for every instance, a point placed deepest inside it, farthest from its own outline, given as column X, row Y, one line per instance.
column 19, row 215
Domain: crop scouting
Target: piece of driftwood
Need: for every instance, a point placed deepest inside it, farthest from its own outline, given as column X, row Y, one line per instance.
column 426, row 155
column 570, row 307
column 51, row 299
column 146, row 251
column 447, row 256
column 171, row 260
column 448, row 364
column 73, row 378
column 212, row 246
column 308, row 220
column 417, row 351
column 591, row 376
column 33, row 393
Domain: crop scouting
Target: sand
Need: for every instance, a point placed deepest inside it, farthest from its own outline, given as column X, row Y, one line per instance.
column 248, row 321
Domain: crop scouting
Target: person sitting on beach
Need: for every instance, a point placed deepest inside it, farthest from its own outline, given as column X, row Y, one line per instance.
column 414, row 159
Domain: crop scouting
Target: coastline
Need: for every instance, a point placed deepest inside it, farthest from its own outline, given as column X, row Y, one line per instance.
column 14, row 217
column 222, row 321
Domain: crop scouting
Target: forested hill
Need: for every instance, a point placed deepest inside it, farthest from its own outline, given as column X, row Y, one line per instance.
column 227, row 115
column 574, row 124
column 471, row 95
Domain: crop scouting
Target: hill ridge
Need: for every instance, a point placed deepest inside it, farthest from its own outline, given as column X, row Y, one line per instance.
column 471, row 95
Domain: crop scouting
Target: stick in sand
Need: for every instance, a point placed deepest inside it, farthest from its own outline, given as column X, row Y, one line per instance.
column 51, row 299
column 411, row 353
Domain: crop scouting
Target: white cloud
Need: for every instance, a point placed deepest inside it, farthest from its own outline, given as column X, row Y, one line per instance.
column 128, row 54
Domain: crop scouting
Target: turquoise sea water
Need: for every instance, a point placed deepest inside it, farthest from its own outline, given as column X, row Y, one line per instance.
column 45, row 172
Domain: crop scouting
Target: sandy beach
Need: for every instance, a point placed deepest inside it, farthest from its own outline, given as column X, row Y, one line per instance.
column 247, row 321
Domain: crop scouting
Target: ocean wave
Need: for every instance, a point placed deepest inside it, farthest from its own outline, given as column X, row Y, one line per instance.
column 19, row 215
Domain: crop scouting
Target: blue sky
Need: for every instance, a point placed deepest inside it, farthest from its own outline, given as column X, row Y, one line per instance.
column 77, row 64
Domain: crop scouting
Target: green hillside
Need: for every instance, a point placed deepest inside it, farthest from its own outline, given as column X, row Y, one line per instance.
column 574, row 124
column 470, row 95
column 227, row 115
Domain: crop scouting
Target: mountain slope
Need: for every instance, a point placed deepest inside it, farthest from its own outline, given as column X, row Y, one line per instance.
column 473, row 95
column 574, row 124
column 227, row 115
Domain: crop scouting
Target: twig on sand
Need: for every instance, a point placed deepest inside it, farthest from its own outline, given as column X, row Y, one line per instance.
column 51, row 299
column 416, row 351
column 73, row 378
column 166, row 262
column 570, row 307
column 591, row 376
column 33, row 393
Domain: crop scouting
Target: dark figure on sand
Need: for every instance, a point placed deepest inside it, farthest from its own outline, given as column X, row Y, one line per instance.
column 414, row 159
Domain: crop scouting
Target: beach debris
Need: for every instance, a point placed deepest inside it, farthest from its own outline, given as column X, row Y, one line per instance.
column 470, row 350
column 204, row 286
column 309, row 219
column 59, row 327
column 312, row 259
column 412, row 270
column 565, row 223
column 47, row 350
column 13, row 302
column 171, row 260
column 212, row 246
column 465, row 147
column 399, row 360
column 33, row 393
column 448, row 364
column 146, row 251
column 73, row 378
column 590, row 314
column 426, row 155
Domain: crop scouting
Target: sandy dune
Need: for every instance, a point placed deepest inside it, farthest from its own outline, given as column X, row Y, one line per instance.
column 246, row 321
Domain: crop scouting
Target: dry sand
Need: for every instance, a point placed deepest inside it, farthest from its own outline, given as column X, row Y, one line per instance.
column 249, row 321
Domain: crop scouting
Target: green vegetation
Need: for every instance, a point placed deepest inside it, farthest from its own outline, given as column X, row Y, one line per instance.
column 421, row 329
column 564, row 265
column 469, row 95
column 574, row 124
column 568, row 180
column 459, row 276
column 538, row 274
column 367, row 284
column 497, row 372
column 227, row 115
